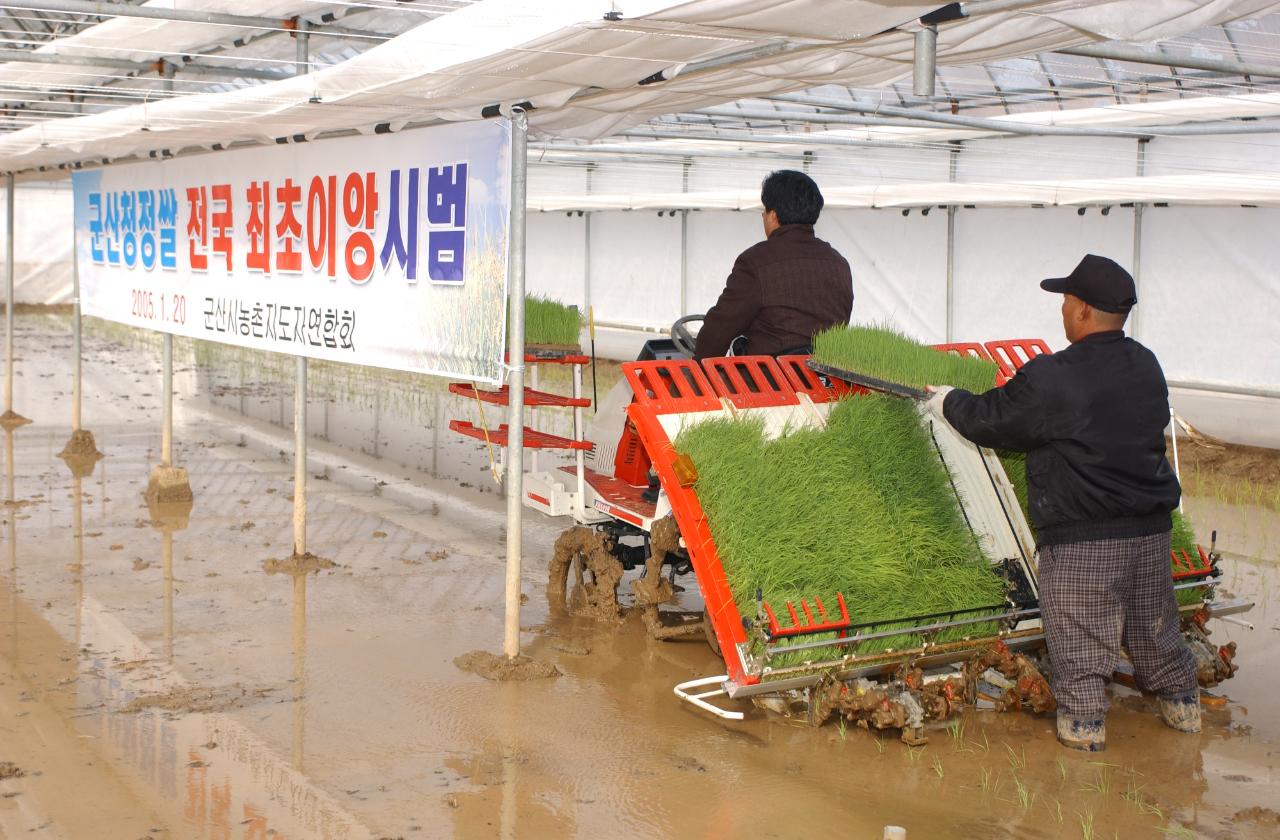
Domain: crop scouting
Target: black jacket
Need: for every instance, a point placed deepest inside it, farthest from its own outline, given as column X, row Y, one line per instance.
column 782, row 291
column 1091, row 420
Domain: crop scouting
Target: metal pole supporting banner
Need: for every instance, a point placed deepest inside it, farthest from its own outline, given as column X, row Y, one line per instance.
column 8, row 294
column 515, row 350
column 300, row 459
column 302, row 65
column 75, row 328
column 166, row 430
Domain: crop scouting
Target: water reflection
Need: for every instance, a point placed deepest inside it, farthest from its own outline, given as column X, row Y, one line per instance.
column 298, row 569
column 168, row 517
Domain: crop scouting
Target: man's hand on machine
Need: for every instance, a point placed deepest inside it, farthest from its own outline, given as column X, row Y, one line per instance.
column 937, row 396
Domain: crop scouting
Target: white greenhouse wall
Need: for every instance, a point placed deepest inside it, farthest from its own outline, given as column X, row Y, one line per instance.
column 1209, row 290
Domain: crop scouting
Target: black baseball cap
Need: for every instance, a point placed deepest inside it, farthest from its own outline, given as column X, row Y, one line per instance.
column 1099, row 282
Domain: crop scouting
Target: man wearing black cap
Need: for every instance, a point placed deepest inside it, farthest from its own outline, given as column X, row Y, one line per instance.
column 1100, row 491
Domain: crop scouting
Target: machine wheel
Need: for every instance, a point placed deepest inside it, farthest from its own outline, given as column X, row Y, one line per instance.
column 593, row 589
column 710, row 632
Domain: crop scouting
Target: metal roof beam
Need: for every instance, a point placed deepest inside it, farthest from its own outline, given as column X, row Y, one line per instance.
column 32, row 57
column 895, row 117
column 957, row 121
column 105, row 9
column 1123, row 52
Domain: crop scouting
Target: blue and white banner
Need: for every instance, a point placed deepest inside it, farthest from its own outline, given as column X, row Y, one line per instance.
column 387, row 250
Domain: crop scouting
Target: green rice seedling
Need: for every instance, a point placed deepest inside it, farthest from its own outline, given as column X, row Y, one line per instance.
column 937, row 767
column 1025, row 797
column 956, row 730
column 863, row 507
column 883, row 353
column 550, row 323
column 843, row 727
column 1062, row 769
column 985, row 779
column 1017, row 760
column 1101, row 783
column 1056, row 810
column 914, row 753
column 1181, row 832
column 1086, row 824
column 879, row 742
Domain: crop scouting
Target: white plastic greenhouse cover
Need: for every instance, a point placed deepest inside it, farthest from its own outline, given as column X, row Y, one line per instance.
column 1202, row 189
column 136, row 39
column 580, row 70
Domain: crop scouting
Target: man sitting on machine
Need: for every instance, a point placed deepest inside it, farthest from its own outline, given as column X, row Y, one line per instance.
column 784, row 290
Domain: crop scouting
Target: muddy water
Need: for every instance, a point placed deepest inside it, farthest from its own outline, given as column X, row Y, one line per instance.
column 319, row 702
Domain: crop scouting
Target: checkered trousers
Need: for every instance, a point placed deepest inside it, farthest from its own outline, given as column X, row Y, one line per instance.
column 1098, row 595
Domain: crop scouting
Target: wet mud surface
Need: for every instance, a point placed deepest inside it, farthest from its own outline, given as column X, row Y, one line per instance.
column 203, row 696
column 500, row 668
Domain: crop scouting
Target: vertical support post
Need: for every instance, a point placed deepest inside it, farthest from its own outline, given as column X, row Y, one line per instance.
column 302, row 45
column 1138, row 209
column 302, row 66
column 515, row 424
column 300, row 459
column 952, row 166
column 684, row 263
column 166, row 431
column 75, row 328
column 924, row 65
column 586, row 263
column 8, row 293
column 579, row 457
column 166, row 75
column 684, row 239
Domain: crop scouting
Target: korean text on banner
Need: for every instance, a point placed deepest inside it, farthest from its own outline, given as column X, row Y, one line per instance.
column 388, row 251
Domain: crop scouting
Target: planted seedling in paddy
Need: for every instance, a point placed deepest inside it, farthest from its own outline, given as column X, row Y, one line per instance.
column 1086, row 825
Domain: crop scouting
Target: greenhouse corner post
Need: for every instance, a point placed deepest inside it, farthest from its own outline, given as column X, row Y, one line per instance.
column 515, row 350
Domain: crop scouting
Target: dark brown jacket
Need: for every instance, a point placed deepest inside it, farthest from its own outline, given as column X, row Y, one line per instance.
column 780, row 293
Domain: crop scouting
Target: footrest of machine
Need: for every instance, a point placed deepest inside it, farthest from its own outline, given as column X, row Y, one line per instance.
column 688, row 692
column 532, row 439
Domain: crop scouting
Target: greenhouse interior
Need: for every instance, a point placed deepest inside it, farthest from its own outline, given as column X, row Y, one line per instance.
column 532, row 555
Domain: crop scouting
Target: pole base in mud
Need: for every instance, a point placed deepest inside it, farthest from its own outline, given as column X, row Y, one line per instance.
column 11, row 420
column 167, row 485
column 81, row 453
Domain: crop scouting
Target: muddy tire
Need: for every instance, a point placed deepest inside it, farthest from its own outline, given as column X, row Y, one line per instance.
column 583, row 576
column 709, row 631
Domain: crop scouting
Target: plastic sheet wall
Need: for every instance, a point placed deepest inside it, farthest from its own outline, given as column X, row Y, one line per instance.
column 1209, row 288
column 42, row 258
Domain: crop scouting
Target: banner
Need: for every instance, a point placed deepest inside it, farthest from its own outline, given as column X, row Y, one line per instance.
column 388, row 250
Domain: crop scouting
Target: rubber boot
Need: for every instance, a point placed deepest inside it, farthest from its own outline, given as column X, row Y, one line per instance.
column 1088, row 734
column 1181, row 711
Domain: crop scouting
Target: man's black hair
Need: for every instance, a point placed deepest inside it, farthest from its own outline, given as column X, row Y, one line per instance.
column 793, row 196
